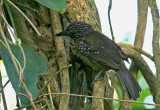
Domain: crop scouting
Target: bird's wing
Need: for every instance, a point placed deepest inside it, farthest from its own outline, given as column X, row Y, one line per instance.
column 100, row 48
column 123, row 55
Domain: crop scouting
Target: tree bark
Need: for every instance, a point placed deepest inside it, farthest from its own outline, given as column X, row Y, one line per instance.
column 62, row 61
column 98, row 104
column 78, row 79
column 85, row 10
column 156, row 48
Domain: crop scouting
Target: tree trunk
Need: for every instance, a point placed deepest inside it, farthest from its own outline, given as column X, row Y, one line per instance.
column 59, row 52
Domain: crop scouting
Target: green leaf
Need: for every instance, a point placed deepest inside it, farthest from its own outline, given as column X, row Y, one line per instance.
column 142, row 82
column 143, row 95
column 34, row 66
column 58, row 5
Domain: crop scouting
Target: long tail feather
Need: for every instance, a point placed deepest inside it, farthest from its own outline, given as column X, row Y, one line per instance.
column 129, row 83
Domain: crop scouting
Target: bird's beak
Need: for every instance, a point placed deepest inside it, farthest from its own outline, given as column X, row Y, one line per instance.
column 63, row 33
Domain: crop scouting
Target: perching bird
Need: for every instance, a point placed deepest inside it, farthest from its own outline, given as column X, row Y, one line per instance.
column 101, row 53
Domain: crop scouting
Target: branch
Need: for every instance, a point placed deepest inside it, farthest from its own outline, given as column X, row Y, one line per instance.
column 50, row 97
column 61, row 59
column 144, row 53
column 140, row 32
column 155, row 44
column 16, row 64
column 77, row 95
column 3, row 94
column 51, row 79
column 141, row 65
column 139, row 38
column 109, row 19
column 24, row 17
column 2, row 88
column 19, row 72
column 98, row 90
column 141, row 23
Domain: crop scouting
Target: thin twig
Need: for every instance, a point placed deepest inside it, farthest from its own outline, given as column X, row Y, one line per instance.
column 156, row 46
column 22, row 95
column 10, row 16
column 24, row 58
column 77, row 95
column 29, row 8
column 40, row 100
column 142, row 65
column 20, row 68
column 4, row 19
column 61, row 56
column 25, row 17
column 8, row 47
column 17, row 102
column 109, row 19
column 3, row 94
column 21, row 79
column 4, row 86
column 51, row 79
column 144, row 53
column 3, row 43
column 50, row 96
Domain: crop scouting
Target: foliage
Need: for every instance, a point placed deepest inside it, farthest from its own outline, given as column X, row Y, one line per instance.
column 58, row 5
column 34, row 66
column 33, row 27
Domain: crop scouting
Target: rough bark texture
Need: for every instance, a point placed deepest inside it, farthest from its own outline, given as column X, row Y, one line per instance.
column 108, row 104
column 98, row 93
column 56, row 53
column 83, row 10
column 156, row 48
column 44, row 46
column 141, row 23
column 62, row 61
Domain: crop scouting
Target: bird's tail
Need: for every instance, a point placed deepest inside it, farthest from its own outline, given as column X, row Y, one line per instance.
column 129, row 83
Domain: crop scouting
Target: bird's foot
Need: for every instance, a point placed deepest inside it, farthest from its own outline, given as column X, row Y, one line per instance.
column 97, row 78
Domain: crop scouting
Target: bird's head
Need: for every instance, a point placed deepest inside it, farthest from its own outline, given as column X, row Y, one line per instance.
column 76, row 30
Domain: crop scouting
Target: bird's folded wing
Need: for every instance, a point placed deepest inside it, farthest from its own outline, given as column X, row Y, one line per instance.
column 123, row 55
column 102, row 54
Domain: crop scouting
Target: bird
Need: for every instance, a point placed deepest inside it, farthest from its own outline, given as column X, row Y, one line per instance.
column 101, row 53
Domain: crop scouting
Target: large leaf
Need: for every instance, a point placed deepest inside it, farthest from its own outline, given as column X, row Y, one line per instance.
column 34, row 66
column 144, row 95
column 58, row 5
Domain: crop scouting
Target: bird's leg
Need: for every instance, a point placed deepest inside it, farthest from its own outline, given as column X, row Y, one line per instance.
column 97, row 78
